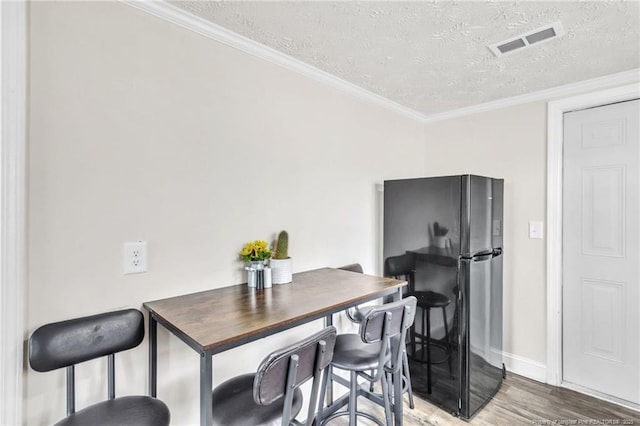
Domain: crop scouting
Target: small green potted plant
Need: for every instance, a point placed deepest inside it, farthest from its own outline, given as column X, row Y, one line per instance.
column 439, row 235
column 281, row 271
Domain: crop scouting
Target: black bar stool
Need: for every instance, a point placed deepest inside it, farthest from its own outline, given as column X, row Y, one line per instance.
column 357, row 314
column 67, row 343
column 373, row 349
column 426, row 301
column 272, row 395
column 404, row 266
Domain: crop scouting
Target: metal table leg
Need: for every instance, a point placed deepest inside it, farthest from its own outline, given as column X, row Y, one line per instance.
column 328, row 320
column 153, row 356
column 206, row 389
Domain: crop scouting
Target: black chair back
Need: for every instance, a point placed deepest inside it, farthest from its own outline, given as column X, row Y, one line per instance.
column 402, row 266
column 389, row 324
column 65, row 343
column 396, row 266
column 353, row 314
column 283, row 371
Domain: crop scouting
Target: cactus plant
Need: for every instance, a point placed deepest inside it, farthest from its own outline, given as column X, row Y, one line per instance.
column 282, row 246
column 439, row 230
column 281, row 270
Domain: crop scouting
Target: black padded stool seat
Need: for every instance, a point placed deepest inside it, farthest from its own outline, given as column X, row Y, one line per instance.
column 233, row 404
column 351, row 354
column 431, row 299
column 123, row 411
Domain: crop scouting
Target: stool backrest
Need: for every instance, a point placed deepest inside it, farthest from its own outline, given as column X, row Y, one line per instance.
column 402, row 266
column 70, row 342
column 353, row 314
column 66, row 343
column 389, row 324
column 286, row 369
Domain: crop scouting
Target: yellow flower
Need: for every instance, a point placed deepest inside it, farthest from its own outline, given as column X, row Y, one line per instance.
column 255, row 250
column 246, row 250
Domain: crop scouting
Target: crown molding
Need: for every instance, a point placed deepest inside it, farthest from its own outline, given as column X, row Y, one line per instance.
column 180, row 17
column 612, row 80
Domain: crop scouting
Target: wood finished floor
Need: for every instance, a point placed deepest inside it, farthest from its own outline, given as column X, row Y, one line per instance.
column 520, row 401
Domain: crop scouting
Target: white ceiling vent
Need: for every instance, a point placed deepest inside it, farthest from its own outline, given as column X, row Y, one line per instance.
column 537, row 36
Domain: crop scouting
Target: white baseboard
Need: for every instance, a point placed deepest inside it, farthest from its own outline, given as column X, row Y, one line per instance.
column 603, row 396
column 525, row 367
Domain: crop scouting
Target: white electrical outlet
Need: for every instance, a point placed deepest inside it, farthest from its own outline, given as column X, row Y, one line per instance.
column 135, row 257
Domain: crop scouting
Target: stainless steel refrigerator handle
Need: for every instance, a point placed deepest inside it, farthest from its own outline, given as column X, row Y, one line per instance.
column 483, row 257
column 487, row 255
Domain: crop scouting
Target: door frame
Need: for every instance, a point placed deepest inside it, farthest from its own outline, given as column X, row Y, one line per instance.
column 555, row 129
column 13, row 166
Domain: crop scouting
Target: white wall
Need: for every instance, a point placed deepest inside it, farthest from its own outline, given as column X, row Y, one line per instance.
column 507, row 143
column 139, row 129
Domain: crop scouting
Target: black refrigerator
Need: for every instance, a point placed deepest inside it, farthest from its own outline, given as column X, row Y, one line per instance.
column 452, row 227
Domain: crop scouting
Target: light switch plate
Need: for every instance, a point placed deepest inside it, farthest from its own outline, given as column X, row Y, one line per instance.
column 535, row 230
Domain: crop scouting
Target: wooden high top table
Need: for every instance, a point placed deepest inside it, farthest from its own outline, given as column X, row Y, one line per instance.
column 214, row 321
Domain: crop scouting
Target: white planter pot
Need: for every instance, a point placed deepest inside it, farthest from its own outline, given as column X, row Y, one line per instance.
column 281, row 271
column 440, row 241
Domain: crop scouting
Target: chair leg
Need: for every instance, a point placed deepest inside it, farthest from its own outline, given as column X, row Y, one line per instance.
column 428, row 327
column 407, row 376
column 353, row 398
column 423, row 342
column 330, row 388
column 323, row 391
column 386, row 396
column 446, row 341
column 372, row 373
column 412, row 339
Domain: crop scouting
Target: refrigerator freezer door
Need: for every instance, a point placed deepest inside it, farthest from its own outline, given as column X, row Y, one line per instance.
column 481, row 362
column 412, row 207
column 481, row 221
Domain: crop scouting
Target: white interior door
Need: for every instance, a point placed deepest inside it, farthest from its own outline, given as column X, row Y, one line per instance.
column 601, row 256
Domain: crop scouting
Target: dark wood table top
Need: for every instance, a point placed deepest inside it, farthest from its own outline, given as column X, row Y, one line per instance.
column 220, row 319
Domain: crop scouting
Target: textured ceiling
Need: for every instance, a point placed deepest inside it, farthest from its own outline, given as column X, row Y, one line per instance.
column 432, row 57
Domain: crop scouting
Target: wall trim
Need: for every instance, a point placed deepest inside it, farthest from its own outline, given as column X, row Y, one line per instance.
column 618, row 79
column 603, row 396
column 175, row 15
column 524, row 367
column 555, row 113
column 215, row 32
column 12, row 207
